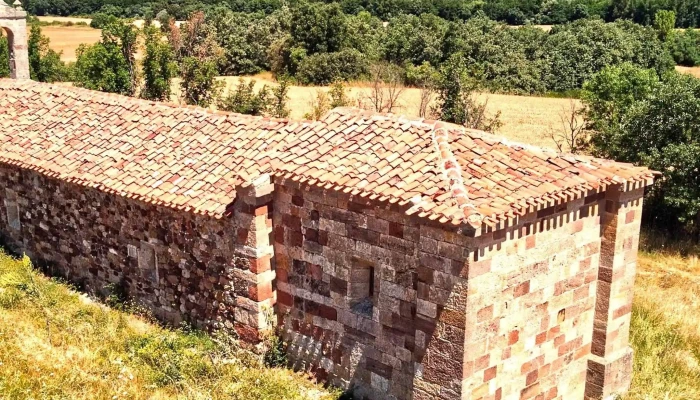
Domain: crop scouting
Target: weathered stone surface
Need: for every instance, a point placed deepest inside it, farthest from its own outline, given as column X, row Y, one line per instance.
column 368, row 298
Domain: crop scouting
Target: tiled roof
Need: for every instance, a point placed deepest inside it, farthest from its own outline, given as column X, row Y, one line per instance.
column 192, row 159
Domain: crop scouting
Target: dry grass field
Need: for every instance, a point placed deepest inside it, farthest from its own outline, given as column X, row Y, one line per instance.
column 695, row 71
column 68, row 38
column 525, row 119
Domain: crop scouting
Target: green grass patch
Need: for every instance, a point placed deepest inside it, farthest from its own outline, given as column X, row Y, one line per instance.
column 58, row 344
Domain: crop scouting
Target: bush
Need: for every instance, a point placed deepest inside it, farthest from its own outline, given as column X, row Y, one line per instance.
column 325, row 68
column 244, row 100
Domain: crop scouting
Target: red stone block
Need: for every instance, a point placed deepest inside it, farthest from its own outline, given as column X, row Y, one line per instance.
column 530, row 391
column 484, row 314
column 261, row 264
column 396, row 229
column 541, row 338
column 513, row 337
column 577, row 226
column 477, row 268
column 530, row 242
column 285, row 298
column 629, row 217
column 531, row 377
column 261, row 291
column 329, row 313
column 490, row 374
column 247, row 333
column 261, row 211
column 279, row 234
column 522, row 289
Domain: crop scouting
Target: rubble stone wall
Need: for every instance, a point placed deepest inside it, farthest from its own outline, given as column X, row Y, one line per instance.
column 179, row 265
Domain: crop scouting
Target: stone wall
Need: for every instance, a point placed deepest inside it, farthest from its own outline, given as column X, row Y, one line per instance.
column 184, row 267
column 368, row 298
column 508, row 314
column 13, row 23
column 530, row 316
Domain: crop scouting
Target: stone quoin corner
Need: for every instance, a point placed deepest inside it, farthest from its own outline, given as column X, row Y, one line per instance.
column 404, row 258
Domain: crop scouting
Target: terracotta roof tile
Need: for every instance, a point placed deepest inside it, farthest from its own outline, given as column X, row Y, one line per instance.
column 192, row 158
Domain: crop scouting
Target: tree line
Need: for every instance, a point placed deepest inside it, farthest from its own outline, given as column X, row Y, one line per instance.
column 515, row 12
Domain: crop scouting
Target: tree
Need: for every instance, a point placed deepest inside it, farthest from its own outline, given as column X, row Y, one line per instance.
column 199, row 54
column 199, row 85
column 158, row 66
column 45, row 65
column 573, row 137
column 685, row 47
column 386, row 87
column 608, row 96
column 656, row 125
column 123, row 36
column 664, row 22
column 457, row 101
column 102, row 67
column 4, row 57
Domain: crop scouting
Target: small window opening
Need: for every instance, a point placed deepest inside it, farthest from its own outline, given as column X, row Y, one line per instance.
column 12, row 210
column 148, row 261
column 362, row 288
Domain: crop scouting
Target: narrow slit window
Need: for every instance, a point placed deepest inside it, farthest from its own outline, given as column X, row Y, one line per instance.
column 362, row 287
column 12, row 210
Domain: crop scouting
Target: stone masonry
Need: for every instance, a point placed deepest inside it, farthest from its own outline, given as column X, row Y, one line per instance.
column 401, row 259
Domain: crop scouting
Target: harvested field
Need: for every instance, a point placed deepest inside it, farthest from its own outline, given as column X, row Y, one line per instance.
column 525, row 119
column 695, row 71
column 68, row 38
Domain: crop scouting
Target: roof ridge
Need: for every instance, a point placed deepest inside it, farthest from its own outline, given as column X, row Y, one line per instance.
column 452, row 172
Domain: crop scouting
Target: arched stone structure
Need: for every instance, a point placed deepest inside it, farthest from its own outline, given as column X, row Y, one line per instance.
column 13, row 22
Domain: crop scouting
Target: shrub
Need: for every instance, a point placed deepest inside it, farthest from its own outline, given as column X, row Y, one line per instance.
column 244, row 100
column 324, row 68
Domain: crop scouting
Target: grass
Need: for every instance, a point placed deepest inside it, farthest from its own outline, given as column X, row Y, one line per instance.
column 665, row 332
column 58, row 344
